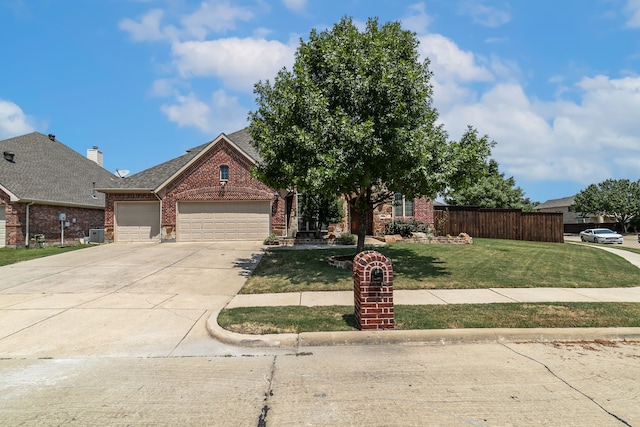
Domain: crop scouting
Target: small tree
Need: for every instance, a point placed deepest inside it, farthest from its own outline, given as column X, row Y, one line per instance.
column 492, row 190
column 618, row 198
column 354, row 118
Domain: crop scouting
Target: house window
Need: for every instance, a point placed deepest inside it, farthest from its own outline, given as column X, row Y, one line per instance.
column 402, row 207
column 224, row 173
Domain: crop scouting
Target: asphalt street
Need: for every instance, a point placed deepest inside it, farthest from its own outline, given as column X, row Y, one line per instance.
column 116, row 335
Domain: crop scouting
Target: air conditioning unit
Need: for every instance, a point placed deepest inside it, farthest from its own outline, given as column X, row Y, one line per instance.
column 96, row 235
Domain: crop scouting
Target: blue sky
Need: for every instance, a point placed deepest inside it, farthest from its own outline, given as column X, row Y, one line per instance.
column 555, row 83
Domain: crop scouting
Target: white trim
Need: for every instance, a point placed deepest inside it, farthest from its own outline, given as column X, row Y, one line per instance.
column 12, row 197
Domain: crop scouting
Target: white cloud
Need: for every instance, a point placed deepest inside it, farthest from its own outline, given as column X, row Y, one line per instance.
column 449, row 62
column 633, row 9
column 418, row 21
column 13, row 121
column 162, row 88
column 238, row 62
column 221, row 114
column 214, row 16
column 189, row 111
column 149, row 27
column 595, row 138
column 484, row 15
column 295, row 5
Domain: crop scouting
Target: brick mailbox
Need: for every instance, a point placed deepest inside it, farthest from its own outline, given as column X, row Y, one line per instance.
column 373, row 291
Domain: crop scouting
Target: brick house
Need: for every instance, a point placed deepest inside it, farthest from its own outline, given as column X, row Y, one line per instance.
column 574, row 221
column 41, row 178
column 208, row 194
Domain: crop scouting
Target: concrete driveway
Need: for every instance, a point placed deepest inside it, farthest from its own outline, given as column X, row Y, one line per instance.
column 121, row 299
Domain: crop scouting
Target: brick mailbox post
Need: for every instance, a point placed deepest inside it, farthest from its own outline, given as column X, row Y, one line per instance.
column 373, row 291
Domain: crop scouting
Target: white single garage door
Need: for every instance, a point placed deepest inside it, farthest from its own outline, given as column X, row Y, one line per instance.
column 216, row 221
column 137, row 221
column 3, row 227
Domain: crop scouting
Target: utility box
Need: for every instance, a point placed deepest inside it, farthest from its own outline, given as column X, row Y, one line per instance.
column 96, row 235
column 373, row 291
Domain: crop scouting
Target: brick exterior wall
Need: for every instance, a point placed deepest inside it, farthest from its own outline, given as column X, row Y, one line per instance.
column 383, row 215
column 423, row 210
column 44, row 219
column 373, row 302
column 201, row 182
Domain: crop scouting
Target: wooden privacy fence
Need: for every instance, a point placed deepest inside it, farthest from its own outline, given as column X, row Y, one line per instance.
column 510, row 224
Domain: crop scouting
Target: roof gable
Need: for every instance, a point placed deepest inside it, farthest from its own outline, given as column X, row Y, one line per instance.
column 157, row 178
column 556, row 203
column 46, row 171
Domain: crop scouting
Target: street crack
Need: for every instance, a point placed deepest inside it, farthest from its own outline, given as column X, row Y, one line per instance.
column 262, row 419
column 568, row 385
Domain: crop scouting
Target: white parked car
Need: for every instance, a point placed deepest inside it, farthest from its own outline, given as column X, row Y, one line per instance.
column 600, row 235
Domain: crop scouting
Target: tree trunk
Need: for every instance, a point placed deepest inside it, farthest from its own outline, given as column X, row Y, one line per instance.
column 362, row 229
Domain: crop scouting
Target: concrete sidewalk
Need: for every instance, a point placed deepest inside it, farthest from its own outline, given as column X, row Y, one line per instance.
column 438, row 296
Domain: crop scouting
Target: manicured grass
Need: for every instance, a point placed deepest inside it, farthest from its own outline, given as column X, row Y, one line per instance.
column 484, row 264
column 11, row 256
column 268, row 320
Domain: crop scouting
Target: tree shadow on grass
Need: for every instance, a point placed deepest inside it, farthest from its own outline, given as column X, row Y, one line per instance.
column 247, row 265
column 409, row 264
column 301, row 267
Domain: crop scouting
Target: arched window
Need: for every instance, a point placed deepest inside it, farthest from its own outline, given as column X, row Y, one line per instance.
column 224, row 173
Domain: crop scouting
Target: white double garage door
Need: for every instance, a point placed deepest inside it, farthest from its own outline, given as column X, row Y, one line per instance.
column 195, row 221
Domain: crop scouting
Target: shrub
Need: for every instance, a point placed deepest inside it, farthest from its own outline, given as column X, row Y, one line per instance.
column 406, row 228
column 346, row 239
column 271, row 240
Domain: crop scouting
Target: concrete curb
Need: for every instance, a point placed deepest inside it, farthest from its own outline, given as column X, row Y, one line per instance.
column 426, row 337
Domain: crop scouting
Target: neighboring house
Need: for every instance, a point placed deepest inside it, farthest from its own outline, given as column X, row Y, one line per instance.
column 208, row 194
column 573, row 221
column 564, row 206
column 41, row 178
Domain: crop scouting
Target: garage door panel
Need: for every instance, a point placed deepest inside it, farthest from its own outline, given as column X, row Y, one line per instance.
column 137, row 221
column 211, row 221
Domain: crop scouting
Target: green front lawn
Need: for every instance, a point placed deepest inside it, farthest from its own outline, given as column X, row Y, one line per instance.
column 296, row 319
column 487, row 263
column 11, row 256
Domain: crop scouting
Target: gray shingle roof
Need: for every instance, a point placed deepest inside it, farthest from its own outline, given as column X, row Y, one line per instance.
column 556, row 203
column 152, row 178
column 47, row 171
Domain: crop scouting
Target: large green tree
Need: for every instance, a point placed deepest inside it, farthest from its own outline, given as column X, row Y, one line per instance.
column 355, row 117
column 618, row 198
column 493, row 190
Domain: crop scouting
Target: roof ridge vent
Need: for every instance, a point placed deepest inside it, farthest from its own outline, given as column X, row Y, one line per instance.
column 52, row 137
column 8, row 156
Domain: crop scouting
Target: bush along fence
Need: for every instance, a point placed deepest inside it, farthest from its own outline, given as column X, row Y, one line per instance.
column 510, row 224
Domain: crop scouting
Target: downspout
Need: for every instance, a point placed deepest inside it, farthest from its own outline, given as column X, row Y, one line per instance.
column 26, row 235
column 160, row 200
